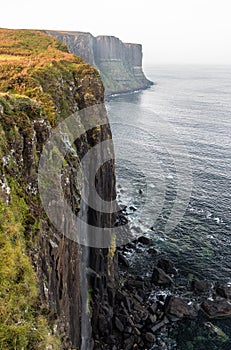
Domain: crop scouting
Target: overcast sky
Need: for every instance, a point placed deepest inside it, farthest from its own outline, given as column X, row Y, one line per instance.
column 171, row 31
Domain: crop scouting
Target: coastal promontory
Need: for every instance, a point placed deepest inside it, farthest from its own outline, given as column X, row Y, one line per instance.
column 119, row 64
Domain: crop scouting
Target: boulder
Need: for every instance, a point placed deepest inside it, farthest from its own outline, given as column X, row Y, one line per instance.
column 123, row 260
column 145, row 240
column 153, row 251
column 224, row 290
column 201, row 287
column 216, row 308
column 177, row 308
column 160, row 277
column 167, row 266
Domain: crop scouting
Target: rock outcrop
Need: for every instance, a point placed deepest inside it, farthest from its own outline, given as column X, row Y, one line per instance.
column 120, row 64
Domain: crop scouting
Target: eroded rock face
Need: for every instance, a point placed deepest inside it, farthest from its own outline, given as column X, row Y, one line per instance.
column 25, row 128
column 78, row 43
column 120, row 64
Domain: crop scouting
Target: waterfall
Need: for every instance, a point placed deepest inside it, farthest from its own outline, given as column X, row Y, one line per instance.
column 85, row 312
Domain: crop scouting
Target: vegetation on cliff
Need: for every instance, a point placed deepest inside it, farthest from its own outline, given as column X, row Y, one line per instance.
column 38, row 66
column 40, row 84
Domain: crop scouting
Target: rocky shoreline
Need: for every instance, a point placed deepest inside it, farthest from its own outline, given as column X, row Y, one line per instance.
column 151, row 307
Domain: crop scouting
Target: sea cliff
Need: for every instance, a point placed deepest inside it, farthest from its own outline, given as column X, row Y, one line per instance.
column 41, row 84
column 119, row 64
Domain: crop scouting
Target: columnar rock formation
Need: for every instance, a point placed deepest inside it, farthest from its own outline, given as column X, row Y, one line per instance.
column 120, row 64
column 41, row 84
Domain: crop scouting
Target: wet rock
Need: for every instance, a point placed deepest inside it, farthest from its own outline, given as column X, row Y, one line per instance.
column 217, row 308
column 132, row 208
column 139, row 250
column 160, row 277
column 145, row 240
column 224, row 290
column 177, row 308
column 131, row 245
column 167, row 266
column 149, row 337
column 201, row 287
column 153, row 251
column 123, row 260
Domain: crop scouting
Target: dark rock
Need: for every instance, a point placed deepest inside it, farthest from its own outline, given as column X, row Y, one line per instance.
column 136, row 330
column 153, row 251
column 131, row 245
column 123, row 260
column 152, row 319
column 152, row 308
column 138, row 284
column 139, row 250
column 177, row 308
column 145, row 240
column 216, row 308
column 138, row 298
column 128, row 330
column 119, row 325
column 149, row 337
column 128, row 303
column 132, row 208
column 201, row 287
column 167, row 266
column 111, row 339
column 139, row 326
column 224, row 290
column 160, row 277
column 128, row 343
column 159, row 325
column 120, row 295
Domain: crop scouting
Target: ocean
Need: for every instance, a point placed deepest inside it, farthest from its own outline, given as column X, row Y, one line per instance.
column 173, row 162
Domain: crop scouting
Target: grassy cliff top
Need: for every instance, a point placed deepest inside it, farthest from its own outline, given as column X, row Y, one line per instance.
column 38, row 66
column 18, row 44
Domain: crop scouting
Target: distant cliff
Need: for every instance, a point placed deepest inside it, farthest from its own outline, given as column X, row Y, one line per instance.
column 120, row 64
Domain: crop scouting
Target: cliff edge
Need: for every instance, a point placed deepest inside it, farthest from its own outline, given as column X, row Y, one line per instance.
column 41, row 294
column 119, row 64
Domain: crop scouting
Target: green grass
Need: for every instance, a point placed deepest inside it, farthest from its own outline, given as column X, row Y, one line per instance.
column 21, row 327
column 36, row 65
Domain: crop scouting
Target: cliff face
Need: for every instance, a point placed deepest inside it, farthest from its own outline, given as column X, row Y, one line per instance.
column 41, row 84
column 120, row 64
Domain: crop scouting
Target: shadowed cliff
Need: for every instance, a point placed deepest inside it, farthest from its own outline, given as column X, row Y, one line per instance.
column 119, row 64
